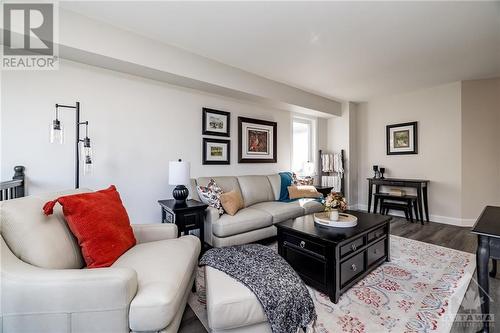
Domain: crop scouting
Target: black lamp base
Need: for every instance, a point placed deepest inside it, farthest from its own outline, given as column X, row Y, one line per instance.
column 180, row 194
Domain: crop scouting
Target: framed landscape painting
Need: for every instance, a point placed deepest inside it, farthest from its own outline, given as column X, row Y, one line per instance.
column 402, row 139
column 216, row 122
column 216, row 151
column 257, row 141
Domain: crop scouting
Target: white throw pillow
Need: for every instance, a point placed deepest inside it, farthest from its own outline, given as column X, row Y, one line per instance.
column 210, row 195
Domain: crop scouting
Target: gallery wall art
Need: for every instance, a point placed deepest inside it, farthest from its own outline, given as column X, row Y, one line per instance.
column 215, row 122
column 402, row 138
column 257, row 141
column 216, row 151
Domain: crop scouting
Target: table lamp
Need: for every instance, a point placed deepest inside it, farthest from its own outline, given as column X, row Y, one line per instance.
column 178, row 175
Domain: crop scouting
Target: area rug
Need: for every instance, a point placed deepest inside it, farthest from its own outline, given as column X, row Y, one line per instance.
column 420, row 290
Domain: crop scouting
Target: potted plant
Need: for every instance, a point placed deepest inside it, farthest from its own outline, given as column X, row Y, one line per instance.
column 334, row 202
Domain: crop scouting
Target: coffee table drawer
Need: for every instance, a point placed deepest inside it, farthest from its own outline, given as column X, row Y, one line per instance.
column 351, row 247
column 376, row 251
column 376, row 234
column 305, row 244
column 352, row 268
column 310, row 267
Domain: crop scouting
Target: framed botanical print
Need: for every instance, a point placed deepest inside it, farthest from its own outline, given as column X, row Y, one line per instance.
column 257, row 141
column 216, row 151
column 402, row 139
column 216, row 122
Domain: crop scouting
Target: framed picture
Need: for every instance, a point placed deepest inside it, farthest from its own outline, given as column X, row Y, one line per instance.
column 402, row 139
column 216, row 151
column 216, row 122
column 257, row 141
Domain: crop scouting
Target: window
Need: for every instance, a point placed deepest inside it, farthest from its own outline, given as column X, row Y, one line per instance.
column 302, row 146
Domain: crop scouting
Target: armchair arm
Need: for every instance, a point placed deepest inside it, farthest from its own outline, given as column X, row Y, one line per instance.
column 145, row 233
column 28, row 289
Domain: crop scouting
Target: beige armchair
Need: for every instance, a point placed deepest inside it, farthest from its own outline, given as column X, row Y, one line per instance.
column 44, row 287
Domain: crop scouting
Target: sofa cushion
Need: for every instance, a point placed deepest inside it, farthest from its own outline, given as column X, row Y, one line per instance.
column 99, row 222
column 303, row 191
column 231, row 201
column 210, row 195
column 280, row 211
column 39, row 240
column 230, row 304
column 275, row 181
column 255, row 189
column 247, row 219
column 164, row 271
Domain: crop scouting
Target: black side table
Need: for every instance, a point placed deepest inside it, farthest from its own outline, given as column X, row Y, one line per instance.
column 187, row 217
column 325, row 190
column 487, row 229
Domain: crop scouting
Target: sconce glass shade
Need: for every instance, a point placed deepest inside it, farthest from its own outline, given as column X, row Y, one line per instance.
column 88, row 166
column 87, row 157
column 86, row 153
column 56, row 132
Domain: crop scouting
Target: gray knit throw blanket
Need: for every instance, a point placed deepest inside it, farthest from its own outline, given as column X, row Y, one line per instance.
column 283, row 295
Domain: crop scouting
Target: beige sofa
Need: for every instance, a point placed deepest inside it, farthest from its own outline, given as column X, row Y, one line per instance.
column 262, row 210
column 44, row 287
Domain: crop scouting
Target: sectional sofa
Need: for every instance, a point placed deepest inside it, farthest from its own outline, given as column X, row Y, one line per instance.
column 261, row 211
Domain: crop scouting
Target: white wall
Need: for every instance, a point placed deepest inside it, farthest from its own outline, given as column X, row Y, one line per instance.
column 136, row 127
column 117, row 49
column 342, row 135
column 438, row 112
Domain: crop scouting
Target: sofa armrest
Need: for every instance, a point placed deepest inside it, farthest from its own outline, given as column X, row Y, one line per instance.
column 211, row 216
column 145, row 233
column 28, row 289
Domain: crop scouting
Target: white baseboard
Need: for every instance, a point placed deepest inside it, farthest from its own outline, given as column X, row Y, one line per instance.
column 434, row 218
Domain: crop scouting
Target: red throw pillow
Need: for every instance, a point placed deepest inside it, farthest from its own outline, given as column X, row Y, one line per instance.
column 99, row 222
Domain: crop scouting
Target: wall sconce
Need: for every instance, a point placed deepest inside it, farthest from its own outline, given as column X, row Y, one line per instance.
column 57, row 136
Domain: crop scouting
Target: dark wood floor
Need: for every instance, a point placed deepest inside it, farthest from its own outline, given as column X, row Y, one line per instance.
column 435, row 233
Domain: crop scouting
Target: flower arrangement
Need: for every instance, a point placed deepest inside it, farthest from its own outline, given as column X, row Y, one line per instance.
column 333, row 201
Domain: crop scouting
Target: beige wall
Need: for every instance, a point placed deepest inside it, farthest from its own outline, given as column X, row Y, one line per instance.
column 480, row 146
column 437, row 111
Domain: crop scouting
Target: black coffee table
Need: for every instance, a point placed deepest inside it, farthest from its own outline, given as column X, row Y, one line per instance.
column 333, row 259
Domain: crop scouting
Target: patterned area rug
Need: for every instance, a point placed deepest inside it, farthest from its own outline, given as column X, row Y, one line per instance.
column 420, row 290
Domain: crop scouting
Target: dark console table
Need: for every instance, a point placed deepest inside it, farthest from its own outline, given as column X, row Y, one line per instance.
column 487, row 229
column 420, row 185
column 334, row 259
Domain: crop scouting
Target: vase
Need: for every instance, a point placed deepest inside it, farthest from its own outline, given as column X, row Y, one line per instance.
column 334, row 215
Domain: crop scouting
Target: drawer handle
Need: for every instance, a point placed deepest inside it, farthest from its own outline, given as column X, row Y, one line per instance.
column 302, row 244
column 354, row 267
column 189, row 225
column 354, row 247
column 375, row 251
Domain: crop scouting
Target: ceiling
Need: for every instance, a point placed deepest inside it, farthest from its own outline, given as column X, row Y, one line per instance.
column 344, row 50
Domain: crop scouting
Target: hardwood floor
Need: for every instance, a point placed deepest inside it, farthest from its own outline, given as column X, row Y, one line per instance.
column 435, row 233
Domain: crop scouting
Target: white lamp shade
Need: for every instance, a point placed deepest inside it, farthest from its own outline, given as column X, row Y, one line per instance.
column 179, row 173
